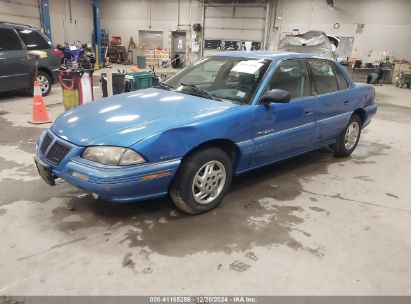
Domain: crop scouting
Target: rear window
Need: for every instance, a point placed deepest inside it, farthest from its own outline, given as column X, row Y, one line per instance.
column 33, row 40
column 341, row 81
column 9, row 40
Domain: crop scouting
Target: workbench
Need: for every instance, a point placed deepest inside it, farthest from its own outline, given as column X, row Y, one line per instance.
column 360, row 74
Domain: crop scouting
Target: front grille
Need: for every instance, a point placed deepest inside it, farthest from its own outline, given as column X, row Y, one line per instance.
column 57, row 152
column 46, row 143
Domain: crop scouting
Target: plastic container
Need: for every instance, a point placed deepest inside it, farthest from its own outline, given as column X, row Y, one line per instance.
column 142, row 80
column 77, row 87
column 141, row 62
column 119, row 83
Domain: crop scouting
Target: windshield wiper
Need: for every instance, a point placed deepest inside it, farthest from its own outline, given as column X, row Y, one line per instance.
column 162, row 85
column 202, row 92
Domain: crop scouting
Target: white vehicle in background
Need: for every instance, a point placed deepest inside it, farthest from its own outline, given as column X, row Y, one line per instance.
column 311, row 42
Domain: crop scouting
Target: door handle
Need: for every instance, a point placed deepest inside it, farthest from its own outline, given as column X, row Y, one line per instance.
column 308, row 112
column 346, row 102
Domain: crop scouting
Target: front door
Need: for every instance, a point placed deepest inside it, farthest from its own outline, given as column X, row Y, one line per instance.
column 179, row 46
column 285, row 129
column 15, row 69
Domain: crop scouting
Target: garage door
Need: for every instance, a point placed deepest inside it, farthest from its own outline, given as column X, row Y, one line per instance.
column 228, row 26
column 20, row 11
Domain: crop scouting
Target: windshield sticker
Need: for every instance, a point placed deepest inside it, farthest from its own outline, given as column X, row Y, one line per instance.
column 240, row 94
column 249, row 67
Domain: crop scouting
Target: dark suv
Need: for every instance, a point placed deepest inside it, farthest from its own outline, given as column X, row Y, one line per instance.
column 16, row 70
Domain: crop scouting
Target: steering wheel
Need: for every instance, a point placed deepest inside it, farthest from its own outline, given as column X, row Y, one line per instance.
column 244, row 88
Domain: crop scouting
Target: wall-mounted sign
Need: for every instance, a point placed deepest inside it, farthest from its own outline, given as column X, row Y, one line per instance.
column 360, row 28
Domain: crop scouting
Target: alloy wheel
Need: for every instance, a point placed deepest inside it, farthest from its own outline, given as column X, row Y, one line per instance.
column 43, row 83
column 351, row 135
column 209, row 182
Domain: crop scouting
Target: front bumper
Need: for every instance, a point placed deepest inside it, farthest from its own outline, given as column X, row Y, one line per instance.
column 112, row 183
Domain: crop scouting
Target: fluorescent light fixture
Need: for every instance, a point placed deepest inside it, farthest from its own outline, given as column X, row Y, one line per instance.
column 122, row 118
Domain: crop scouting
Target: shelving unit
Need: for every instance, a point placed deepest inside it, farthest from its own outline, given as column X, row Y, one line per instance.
column 105, row 41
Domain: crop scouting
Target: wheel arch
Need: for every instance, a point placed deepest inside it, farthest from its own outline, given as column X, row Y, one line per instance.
column 362, row 114
column 228, row 146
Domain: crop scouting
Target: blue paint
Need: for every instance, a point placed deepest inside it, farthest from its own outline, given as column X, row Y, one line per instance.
column 163, row 126
column 97, row 30
column 45, row 17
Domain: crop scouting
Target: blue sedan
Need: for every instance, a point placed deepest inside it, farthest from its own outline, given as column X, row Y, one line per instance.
column 224, row 115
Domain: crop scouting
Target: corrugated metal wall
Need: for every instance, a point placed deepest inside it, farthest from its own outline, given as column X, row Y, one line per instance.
column 20, row 11
column 245, row 22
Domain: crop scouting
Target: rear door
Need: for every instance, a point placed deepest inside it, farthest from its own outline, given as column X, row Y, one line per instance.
column 333, row 99
column 15, row 68
column 285, row 129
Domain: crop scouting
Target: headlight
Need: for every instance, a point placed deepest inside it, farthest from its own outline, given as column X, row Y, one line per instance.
column 116, row 156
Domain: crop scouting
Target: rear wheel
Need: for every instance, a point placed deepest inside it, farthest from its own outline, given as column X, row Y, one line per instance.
column 202, row 181
column 348, row 139
column 44, row 82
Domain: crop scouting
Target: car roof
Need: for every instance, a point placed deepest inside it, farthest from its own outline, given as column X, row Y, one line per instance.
column 265, row 55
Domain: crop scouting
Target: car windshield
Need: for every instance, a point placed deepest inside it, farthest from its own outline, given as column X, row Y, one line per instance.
column 221, row 78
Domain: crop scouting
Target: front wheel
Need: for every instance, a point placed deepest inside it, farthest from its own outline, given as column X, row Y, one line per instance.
column 202, row 181
column 348, row 139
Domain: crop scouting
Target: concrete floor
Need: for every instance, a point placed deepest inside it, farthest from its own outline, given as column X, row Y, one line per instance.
column 311, row 225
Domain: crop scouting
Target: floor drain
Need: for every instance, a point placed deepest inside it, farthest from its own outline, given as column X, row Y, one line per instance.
column 239, row 266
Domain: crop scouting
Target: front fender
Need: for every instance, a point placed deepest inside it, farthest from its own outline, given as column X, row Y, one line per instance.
column 178, row 141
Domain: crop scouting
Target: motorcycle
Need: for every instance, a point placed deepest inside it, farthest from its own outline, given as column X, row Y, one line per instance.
column 77, row 56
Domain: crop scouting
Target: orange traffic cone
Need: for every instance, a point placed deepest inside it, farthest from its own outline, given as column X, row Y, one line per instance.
column 40, row 114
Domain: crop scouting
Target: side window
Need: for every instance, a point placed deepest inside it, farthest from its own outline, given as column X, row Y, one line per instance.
column 341, row 81
column 292, row 76
column 33, row 40
column 9, row 40
column 323, row 76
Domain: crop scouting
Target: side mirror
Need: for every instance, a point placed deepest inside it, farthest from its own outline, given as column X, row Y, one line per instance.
column 276, row 95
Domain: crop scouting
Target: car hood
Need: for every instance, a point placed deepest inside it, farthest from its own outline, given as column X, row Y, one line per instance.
column 125, row 119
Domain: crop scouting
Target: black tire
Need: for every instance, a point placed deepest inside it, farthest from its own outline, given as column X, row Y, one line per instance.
column 182, row 187
column 44, row 78
column 340, row 148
